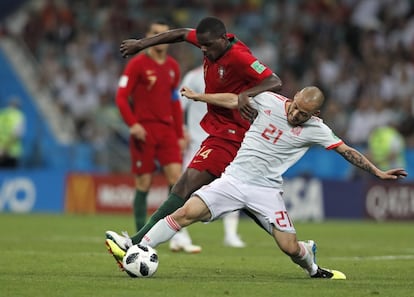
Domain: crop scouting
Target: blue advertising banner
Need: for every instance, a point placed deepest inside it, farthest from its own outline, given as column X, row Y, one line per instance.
column 343, row 199
column 32, row 191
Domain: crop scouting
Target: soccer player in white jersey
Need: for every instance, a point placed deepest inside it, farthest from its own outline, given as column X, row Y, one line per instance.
column 279, row 136
column 194, row 112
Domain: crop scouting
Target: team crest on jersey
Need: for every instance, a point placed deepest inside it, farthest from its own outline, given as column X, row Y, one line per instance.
column 221, row 72
column 296, row 130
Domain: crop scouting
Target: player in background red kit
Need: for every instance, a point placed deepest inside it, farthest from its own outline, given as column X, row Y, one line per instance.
column 148, row 101
column 229, row 66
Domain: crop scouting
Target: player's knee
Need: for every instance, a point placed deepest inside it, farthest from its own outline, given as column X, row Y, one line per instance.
column 184, row 216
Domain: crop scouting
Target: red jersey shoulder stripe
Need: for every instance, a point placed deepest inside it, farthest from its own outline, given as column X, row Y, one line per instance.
column 335, row 145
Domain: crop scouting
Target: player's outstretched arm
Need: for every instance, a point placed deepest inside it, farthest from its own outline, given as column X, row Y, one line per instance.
column 227, row 100
column 356, row 158
column 132, row 46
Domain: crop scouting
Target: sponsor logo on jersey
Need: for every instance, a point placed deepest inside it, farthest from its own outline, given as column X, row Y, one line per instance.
column 268, row 112
column 258, row 67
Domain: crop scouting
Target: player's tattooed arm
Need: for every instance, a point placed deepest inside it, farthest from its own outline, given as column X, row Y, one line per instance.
column 357, row 159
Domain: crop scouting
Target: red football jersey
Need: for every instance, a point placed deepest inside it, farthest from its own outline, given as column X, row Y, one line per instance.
column 147, row 92
column 237, row 70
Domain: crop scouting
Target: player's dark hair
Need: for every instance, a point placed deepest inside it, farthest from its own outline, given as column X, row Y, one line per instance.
column 211, row 25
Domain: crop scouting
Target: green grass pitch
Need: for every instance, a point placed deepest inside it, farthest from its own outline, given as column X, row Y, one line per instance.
column 64, row 255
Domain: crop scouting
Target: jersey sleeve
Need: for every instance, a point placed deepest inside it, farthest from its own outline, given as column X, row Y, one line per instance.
column 126, row 84
column 250, row 67
column 192, row 38
column 325, row 137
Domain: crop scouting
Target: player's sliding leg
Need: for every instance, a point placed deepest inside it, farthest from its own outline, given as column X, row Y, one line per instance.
column 181, row 241
column 172, row 203
column 190, row 181
column 306, row 257
column 124, row 241
column 193, row 210
column 304, row 254
column 310, row 246
column 162, row 231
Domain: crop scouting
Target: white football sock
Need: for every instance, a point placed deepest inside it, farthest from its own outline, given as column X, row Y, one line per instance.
column 230, row 223
column 161, row 232
column 305, row 260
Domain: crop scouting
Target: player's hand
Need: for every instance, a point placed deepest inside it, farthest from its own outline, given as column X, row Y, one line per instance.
column 393, row 174
column 245, row 108
column 190, row 94
column 129, row 47
column 138, row 131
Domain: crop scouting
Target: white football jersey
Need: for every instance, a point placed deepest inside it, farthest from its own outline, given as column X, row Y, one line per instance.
column 272, row 145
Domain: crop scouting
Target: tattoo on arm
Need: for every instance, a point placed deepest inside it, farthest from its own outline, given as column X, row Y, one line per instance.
column 357, row 159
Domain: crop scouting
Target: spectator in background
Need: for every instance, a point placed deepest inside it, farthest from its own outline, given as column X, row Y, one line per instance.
column 361, row 121
column 264, row 49
column 12, row 126
column 386, row 147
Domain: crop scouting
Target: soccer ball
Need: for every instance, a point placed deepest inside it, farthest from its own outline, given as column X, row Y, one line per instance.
column 140, row 261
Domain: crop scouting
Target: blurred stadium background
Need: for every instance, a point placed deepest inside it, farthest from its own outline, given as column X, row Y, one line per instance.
column 60, row 58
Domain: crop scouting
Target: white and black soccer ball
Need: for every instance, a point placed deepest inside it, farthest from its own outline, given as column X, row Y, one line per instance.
column 140, row 261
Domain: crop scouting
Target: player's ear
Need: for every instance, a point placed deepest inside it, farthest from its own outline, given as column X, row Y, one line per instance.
column 316, row 113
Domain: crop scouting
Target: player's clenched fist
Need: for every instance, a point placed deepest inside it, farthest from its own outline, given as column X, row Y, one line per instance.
column 129, row 47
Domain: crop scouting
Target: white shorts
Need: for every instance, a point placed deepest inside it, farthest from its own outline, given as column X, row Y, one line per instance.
column 227, row 194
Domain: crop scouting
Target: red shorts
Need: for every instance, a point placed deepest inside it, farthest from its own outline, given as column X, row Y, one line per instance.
column 161, row 144
column 214, row 155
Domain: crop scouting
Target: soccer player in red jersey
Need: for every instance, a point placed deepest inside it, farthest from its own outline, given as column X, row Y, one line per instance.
column 148, row 101
column 229, row 66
